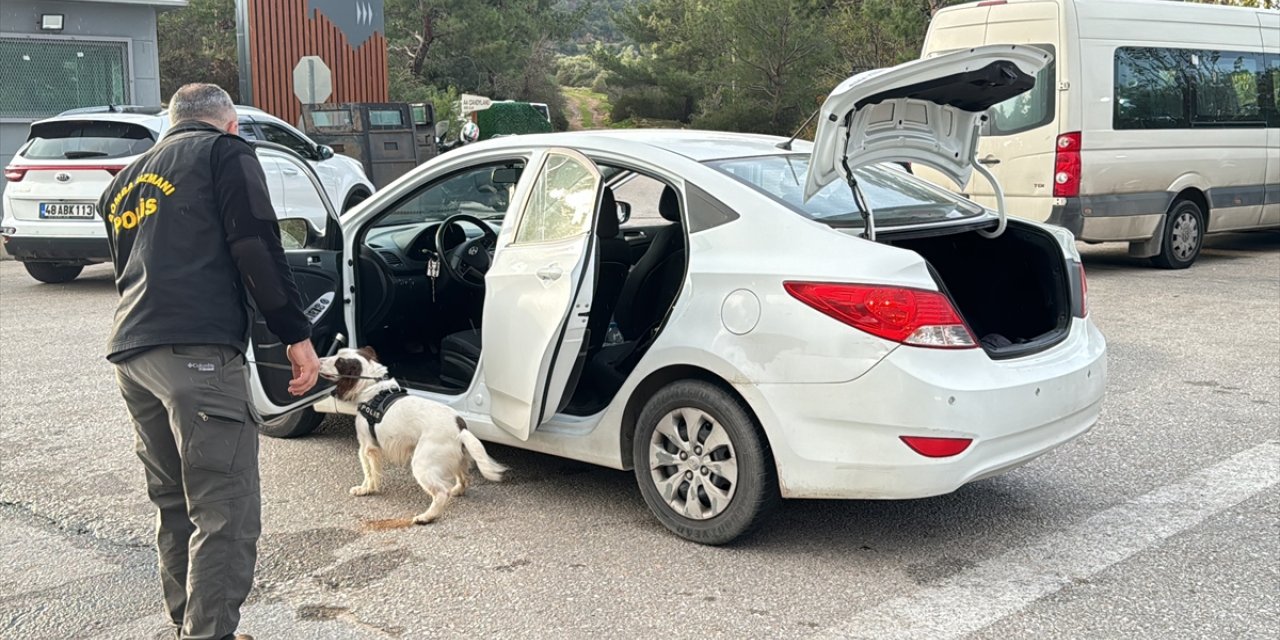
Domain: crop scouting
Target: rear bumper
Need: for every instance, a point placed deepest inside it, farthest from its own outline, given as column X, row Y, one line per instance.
column 843, row 440
column 54, row 249
column 1100, row 219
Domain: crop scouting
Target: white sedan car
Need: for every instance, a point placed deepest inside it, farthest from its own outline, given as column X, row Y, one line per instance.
column 50, row 220
column 765, row 346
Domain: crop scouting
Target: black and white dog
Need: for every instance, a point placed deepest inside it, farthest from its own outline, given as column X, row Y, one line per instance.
column 395, row 427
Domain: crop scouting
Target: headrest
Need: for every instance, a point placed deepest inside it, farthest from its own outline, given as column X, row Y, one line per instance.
column 607, row 226
column 669, row 205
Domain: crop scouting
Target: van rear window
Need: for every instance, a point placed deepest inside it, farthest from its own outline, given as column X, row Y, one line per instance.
column 85, row 139
column 1029, row 110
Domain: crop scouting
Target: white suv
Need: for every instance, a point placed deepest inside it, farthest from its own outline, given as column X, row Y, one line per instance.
column 50, row 218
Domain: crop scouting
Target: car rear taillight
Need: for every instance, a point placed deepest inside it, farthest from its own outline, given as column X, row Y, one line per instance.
column 1084, row 293
column 1066, row 166
column 16, row 174
column 937, row 447
column 908, row 316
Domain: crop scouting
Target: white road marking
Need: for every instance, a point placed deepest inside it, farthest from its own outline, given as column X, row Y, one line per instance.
column 1008, row 583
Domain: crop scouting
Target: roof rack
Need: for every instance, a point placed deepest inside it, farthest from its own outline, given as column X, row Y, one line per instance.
column 116, row 108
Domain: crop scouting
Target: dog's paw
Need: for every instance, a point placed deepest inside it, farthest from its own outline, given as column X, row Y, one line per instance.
column 423, row 519
column 361, row 490
column 457, row 491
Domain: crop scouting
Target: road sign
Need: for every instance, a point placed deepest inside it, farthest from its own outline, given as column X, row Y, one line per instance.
column 312, row 80
column 472, row 103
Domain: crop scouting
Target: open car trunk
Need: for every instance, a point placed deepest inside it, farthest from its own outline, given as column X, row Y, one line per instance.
column 1014, row 291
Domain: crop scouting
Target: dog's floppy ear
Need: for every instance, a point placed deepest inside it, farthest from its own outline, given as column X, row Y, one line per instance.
column 350, row 369
column 368, row 353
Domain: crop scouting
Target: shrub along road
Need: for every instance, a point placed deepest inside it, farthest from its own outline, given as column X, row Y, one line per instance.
column 1159, row 522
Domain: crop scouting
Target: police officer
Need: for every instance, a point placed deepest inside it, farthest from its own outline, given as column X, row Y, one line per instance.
column 193, row 237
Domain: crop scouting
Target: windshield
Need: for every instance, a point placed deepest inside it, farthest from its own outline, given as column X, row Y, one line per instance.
column 896, row 197
column 483, row 191
column 83, row 139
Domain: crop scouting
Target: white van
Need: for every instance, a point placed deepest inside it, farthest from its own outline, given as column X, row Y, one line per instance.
column 1158, row 121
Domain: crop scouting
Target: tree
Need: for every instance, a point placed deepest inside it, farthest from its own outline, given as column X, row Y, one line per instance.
column 198, row 44
column 504, row 49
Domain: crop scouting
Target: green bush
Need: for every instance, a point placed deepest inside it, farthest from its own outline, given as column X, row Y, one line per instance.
column 576, row 71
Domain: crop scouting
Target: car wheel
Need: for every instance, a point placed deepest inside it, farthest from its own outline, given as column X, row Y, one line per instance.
column 353, row 200
column 293, row 425
column 50, row 273
column 1183, row 236
column 702, row 463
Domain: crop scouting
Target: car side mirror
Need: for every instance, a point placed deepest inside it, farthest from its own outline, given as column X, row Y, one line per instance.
column 324, row 152
column 624, row 212
column 297, row 233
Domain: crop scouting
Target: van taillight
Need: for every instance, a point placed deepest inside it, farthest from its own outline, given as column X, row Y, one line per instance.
column 1066, row 166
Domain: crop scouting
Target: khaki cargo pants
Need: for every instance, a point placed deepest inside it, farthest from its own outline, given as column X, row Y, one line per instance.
column 199, row 444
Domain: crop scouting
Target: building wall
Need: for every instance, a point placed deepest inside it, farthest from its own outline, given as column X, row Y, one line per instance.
column 86, row 21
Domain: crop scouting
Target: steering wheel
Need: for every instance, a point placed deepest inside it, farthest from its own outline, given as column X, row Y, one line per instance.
column 469, row 261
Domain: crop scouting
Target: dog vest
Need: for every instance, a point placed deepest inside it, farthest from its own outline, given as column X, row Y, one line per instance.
column 376, row 407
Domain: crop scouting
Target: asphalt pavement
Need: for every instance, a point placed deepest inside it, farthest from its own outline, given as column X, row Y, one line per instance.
column 1162, row 522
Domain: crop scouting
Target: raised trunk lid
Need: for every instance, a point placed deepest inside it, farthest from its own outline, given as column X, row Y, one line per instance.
column 923, row 112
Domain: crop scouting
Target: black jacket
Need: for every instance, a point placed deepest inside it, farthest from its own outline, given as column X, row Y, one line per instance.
column 191, row 228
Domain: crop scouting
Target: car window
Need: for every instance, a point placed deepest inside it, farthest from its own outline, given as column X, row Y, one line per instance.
column 473, row 191
column 281, row 136
column 894, row 196
column 561, row 202
column 81, row 139
column 1273, row 65
column 643, row 194
column 1034, row 108
column 247, row 131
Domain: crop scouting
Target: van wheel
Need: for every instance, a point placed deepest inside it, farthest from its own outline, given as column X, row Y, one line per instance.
column 50, row 273
column 1183, row 236
column 293, row 425
column 702, row 463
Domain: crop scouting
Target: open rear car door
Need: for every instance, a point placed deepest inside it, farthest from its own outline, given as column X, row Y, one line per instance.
column 924, row 111
column 538, row 291
column 315, row 257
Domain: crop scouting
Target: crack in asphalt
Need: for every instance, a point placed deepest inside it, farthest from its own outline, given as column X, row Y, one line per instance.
column 27, row 510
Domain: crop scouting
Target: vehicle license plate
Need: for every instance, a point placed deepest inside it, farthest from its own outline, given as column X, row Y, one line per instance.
column 68, row 210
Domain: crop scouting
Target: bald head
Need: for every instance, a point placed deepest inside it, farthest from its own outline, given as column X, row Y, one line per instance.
column 204, row 102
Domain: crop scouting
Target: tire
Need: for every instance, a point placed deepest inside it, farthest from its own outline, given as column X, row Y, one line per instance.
column 734, row 436
column 50, row 273
column 293, row 425
column 1183, row 236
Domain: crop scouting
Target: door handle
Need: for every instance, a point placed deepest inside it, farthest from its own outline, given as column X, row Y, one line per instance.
column 289, row 172
column 313, row 260
column 549, row 273
column 989, row 159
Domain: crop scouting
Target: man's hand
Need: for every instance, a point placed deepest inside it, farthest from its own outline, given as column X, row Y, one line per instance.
column 306, row 367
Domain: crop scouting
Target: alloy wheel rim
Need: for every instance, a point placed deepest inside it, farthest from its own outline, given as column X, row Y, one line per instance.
column 693, row 464
column 1186, row 230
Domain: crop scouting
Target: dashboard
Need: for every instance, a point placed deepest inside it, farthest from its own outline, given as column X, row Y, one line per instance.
column 404, row 249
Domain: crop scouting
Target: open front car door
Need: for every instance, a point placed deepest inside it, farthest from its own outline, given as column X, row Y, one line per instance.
column 315, row 255
column 538, row 292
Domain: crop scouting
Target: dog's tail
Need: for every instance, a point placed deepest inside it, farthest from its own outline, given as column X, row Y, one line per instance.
column 490, row 469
